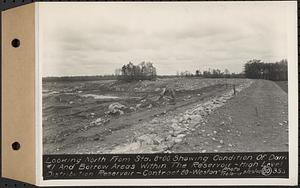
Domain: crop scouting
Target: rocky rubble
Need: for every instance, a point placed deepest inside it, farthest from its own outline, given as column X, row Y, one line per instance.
column 161, row 134
column 116, row 108
column 96, row 122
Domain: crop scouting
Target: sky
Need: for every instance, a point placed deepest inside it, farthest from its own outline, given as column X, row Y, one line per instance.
column 97, row 38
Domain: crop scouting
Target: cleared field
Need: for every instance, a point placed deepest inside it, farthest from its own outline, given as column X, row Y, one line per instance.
column 78, row 116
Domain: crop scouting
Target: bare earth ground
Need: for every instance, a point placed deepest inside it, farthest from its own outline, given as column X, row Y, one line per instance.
column 283, row 85
column 254, row 120
column 207, row 117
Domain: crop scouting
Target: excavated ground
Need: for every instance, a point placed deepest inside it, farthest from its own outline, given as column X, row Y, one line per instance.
column 206, row 116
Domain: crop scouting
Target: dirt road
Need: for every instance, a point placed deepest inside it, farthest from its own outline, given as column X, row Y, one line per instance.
column 209, row 119
column 255, row 120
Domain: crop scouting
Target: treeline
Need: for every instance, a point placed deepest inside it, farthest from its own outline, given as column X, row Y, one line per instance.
column 142, row 71
column 256, row 69
column 211, row 73
column 79, row 78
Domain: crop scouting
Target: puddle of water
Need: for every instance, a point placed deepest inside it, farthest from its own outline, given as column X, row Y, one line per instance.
column 100, row 96
column 48, row 92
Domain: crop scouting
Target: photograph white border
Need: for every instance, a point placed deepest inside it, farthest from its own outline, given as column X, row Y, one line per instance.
column 292, row 113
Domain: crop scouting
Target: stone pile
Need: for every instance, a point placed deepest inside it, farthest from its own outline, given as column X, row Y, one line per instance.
column 116, row 108
column 165, row 133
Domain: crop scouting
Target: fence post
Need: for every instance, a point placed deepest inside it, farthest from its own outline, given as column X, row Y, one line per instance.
column 234, row 91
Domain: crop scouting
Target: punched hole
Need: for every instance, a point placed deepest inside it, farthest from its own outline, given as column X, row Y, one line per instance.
column 15, row 43
column 16, row 146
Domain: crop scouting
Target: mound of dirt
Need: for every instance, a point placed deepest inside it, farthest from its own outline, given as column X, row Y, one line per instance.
column 171, row 130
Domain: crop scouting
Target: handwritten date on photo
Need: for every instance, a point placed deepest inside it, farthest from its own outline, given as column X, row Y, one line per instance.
column 184, row 165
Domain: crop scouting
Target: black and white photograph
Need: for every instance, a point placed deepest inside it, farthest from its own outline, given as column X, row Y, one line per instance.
column 132, row 78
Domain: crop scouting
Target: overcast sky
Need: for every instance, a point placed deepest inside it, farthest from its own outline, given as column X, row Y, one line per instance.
column 97, row 38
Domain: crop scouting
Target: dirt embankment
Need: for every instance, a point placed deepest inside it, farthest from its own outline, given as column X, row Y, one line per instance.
column 161, row 134
column 255, row 120
column 75, row 123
